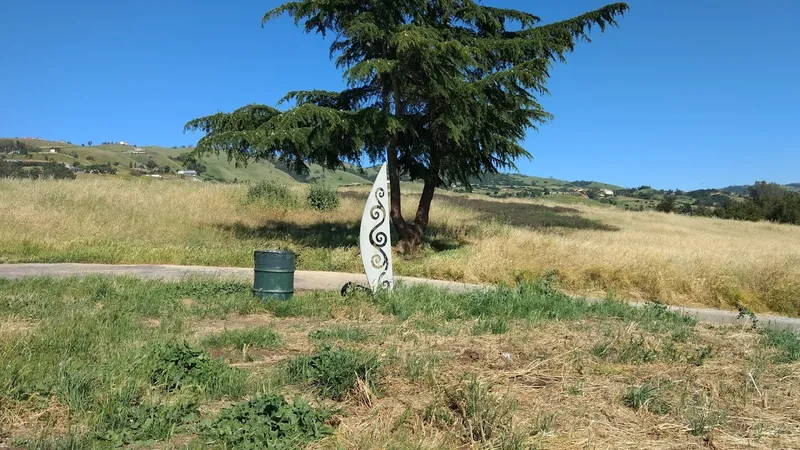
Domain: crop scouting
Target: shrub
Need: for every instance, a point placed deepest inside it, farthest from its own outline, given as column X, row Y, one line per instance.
column 336, row 371
column 322, row 197
column 272, row 194
column 667, row 204
column 268, row 422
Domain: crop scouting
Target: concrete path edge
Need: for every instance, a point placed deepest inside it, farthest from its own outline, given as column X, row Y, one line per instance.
column 315, row 280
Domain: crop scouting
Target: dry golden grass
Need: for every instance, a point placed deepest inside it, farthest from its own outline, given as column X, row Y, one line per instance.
column 566, row 397
column 671, row 258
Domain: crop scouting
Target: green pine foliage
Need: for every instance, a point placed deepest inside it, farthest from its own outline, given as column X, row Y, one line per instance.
column 442, row 90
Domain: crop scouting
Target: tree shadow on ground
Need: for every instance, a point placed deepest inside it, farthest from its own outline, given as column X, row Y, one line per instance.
column 333, row 234
column 529, row 215
column 440, row 237
column 526, row 215
column 320, row 235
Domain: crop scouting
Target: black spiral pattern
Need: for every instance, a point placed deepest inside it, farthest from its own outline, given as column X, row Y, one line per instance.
column 378, row 238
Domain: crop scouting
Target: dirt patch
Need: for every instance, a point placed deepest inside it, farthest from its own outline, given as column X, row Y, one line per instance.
column 187, row 302
column 13, row 326
column 151, row 323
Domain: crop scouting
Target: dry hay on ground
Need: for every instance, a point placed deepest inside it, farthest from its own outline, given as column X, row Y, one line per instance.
column 567, row 397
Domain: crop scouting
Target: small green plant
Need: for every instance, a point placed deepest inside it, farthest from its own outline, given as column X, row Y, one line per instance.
column 322, row 197
column 645, row 396
column 787, row 344
column 179, row 366
column 336, row 371
column 700, row 356
column 483, row 416
column 421, row 366
column 702, row 422
column 258, row 337
column 268, row 422
column 341, row 333
column 544, row 422
column 632, row 351
column 271, row 194
column 746, row 312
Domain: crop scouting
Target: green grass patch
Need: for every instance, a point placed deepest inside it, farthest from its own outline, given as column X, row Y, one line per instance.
column 645, row 396
column 346, row 333
column 494, row 325
column 530, row 302
column 422, row 366
column 180, row 367
column 257, row 337
column 125, row 418
column 785, row 342
column 336, row 371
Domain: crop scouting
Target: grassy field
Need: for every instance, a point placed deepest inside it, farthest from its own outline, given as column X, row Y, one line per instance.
column 588, row 250
column 108, row 362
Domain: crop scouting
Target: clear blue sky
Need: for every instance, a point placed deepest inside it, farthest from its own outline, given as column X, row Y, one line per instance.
column 685, row 94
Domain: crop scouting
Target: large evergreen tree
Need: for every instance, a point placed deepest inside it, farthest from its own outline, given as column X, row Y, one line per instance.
column 443, row 90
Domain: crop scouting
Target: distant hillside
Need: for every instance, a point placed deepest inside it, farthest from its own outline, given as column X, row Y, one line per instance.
column 155, row 160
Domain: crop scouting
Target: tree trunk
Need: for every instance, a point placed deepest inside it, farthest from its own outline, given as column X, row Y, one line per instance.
column 410, row 232
column 404, row 229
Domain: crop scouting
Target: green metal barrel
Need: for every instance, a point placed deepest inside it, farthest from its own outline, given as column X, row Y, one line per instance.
column 274, row 274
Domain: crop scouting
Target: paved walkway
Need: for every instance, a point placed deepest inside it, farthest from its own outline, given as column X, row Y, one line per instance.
column 312, row 280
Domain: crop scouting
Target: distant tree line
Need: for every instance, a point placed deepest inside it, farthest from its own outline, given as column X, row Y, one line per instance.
column 16, row 146
column 765, row 201
column 762, row 201
column 24, row 169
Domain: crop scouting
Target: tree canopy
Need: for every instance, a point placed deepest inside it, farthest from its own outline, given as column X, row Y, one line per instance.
column 443, row 90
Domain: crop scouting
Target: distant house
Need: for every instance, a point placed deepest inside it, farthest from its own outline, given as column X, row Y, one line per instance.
column 53, row 150
column 189, row 173
column 123, row 143
column 607, row 192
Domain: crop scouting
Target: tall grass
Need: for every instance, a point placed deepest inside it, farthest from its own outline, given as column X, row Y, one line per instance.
column 591, row 250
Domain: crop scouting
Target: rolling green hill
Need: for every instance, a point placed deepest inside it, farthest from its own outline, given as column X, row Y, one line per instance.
column 217, row 167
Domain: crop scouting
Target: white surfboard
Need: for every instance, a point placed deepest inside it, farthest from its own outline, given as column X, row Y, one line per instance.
column 375, row 242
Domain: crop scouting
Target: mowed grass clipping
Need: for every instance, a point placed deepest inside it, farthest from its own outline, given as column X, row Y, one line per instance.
column 591, row 251
column 120, row 362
